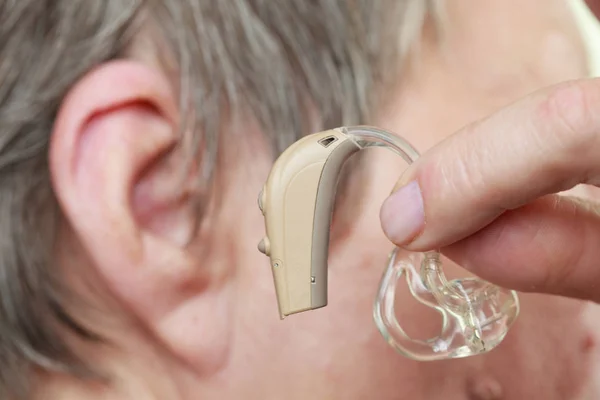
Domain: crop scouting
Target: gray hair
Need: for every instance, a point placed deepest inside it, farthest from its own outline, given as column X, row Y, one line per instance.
column 278, row 59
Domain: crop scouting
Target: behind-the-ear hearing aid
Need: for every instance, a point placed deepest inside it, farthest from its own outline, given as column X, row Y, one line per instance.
column 297, row 203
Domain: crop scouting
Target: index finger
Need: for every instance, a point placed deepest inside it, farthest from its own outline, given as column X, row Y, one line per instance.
column 545, row 143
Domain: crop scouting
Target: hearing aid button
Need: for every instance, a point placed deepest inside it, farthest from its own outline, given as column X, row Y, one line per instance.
column 264, row 246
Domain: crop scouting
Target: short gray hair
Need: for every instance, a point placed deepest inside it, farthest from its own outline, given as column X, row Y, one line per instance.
column 278, row 59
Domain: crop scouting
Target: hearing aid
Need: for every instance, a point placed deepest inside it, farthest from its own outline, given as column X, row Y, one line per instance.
column 297, row 204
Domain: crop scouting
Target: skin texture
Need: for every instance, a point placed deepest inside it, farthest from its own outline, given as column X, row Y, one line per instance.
column 200, row 321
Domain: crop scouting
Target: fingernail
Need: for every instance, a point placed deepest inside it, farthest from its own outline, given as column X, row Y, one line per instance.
column 403, row 215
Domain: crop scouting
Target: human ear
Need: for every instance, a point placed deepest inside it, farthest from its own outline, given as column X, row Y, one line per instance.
column 121, row 186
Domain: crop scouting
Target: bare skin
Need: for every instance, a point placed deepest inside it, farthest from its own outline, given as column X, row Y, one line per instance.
column 246, row 352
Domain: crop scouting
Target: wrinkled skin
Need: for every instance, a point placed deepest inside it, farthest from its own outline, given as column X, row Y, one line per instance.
column 336, row 352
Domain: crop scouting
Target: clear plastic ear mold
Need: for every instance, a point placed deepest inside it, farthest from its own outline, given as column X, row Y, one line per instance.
column 476, row 315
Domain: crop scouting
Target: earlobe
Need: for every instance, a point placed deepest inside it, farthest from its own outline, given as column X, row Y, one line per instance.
column 111, row 160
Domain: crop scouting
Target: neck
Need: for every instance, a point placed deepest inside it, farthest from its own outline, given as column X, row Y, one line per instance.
column 132, row 367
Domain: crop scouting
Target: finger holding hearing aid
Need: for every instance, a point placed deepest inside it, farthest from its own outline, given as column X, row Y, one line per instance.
column 487, row 196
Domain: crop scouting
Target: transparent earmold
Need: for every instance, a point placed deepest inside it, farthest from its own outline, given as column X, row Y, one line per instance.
column 476, row 315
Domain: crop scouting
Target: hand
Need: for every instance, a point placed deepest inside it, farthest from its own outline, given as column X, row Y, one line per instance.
column 487, row 195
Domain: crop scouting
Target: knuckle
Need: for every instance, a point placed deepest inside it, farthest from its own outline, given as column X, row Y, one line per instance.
column 463, row 178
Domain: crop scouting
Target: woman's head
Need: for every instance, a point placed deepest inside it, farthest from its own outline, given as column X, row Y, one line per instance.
column 95, row 153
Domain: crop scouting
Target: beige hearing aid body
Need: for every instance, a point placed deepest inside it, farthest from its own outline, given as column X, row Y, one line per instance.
column 297, row 201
